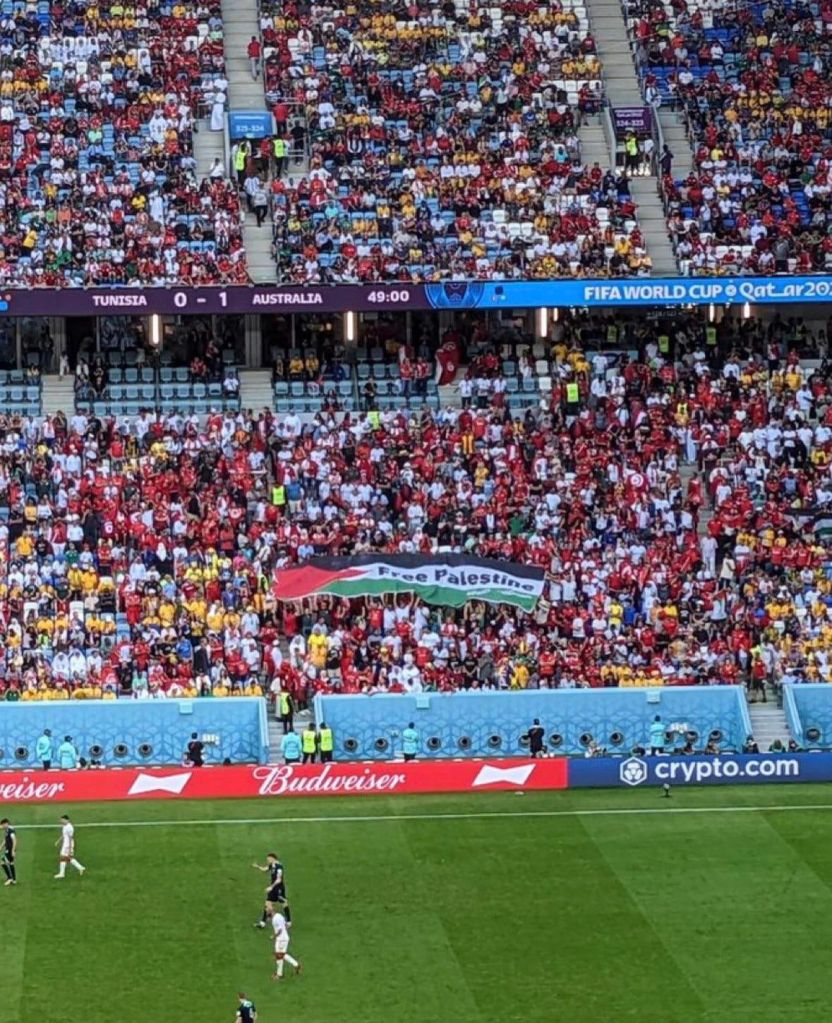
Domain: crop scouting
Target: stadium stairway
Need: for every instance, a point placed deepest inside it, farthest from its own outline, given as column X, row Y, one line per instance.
column 768, row 722
column 449, row 393
column 653, row 224
column 593, row 140
column 256, row 390
column 258, row 242
column 622, row 88
column 302, row 718
column 240, row 23
column 675, row 136
column 208, row 145
column 606, row 19
column 686, row 473
column 57, row 394
column 650, row 213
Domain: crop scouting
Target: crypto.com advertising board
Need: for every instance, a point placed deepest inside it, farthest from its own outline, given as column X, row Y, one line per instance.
column 728, row 769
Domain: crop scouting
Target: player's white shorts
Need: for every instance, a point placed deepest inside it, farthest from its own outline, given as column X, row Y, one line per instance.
column 281, row 944
column 66, row 850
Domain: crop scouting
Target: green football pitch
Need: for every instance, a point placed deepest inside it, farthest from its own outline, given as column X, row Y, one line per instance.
column 712, row 906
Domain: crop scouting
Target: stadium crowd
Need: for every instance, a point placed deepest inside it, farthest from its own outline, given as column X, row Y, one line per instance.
column 97, row 171
column 137, row 555
column 443, row 144
column 753, row 83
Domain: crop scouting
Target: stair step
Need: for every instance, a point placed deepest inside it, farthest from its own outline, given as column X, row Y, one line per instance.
column 768, row 722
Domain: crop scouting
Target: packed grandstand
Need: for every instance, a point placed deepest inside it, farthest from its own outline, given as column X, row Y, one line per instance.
column 433, row 141
column 668, row 471
column 662, row 503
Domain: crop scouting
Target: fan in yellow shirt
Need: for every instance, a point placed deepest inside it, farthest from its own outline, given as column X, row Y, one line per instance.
column 317, row 648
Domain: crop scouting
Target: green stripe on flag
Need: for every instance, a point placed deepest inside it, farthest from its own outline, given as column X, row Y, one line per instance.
column 447, row 596
column 823, row 527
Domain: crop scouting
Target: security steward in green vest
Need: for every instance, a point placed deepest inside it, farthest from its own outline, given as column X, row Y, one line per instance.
column 325, row 743
column 279, row 496
column 281, row 151
column 631, row 153
column 286, row 710
column 309, row 744
column 573, row 398
column 240, row 161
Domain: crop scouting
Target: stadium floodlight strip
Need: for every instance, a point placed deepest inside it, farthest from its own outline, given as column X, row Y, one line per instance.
column 629, row 811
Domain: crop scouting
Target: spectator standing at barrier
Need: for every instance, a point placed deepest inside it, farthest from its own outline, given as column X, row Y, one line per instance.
column 297, row 134
column 410, row 742
column 250, row 186
column 281, row 116
column 657, row 737
column 290, row 747
column 217, row 122
column 648, row 156
column 666, row 160
column 254, row 52
column 67, row 755
column 757, row 676
column 325, row 743
column 535, row 734
column 260, row 202
column 195, row 751
column 44, row 749
column 202, row 659
column 708, row 549
column 309, row 743
column 265, row 152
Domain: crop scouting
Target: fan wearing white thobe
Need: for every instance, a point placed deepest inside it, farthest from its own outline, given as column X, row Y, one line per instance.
column 218, row 112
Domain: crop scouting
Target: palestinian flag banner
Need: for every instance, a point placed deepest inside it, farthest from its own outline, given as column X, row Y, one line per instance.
column 450, row 580
column 819, row 520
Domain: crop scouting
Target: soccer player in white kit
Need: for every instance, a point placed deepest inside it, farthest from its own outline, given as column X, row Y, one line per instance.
column 67, row 844
column 281, row 945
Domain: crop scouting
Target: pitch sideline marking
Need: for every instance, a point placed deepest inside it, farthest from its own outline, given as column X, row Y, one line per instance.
column 484, row 815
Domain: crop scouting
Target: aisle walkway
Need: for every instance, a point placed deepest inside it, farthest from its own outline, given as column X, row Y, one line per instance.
column 622, row 88
column 246, row 93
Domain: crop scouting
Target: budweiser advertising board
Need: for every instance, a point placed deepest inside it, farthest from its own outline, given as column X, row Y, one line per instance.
column 281, row 780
